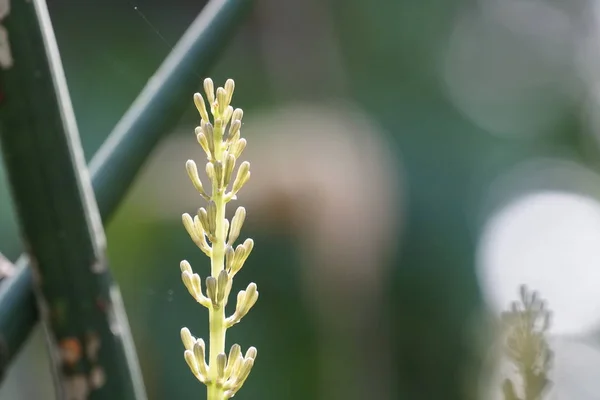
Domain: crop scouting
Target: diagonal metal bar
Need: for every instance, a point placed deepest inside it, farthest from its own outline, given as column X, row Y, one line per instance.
column 116, row 164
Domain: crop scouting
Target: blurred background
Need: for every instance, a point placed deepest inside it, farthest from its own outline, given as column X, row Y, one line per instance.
column 414, row 162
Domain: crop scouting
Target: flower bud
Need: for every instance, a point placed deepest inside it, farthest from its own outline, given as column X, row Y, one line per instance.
column 192, row 171
column 201, row 138
column 209, row 89
column 238, row 147
column 236, row 225
column 191, row 362
column 222, row 282
column 209, row 132
column 211, row 289
column 212, row 217
column 221, row 100
column 203, row 217
column 187, row 339
column 228, row 169
column 221, row 364
column 242, row 176
column 200, row 106
column 199, row 355
column 229, row 88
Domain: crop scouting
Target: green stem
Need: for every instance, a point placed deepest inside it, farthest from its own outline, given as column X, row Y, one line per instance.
column 217, row 345
column 217, row 315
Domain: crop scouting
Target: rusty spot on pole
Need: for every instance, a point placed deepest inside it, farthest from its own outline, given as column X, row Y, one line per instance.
column 70, row 351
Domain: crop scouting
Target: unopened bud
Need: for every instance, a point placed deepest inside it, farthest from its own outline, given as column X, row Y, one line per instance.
column 226, row 227
column 228, row 169
column 245, row 301
column 229, row 88
column 221, row 100
column 201, row 138
column 234, row 131
column 250, row 298
column 208, row 131
column 221, row 364
column 202, row 244
column 203, row 217
column 251, row 353
column 241, row 299
column 186, row 277
column 185, row 266
column 211, row 290
column 212, row 216
column 187, row 339
column 201, row 106
column 227, row 115
column 210, row 172
column 209, row 89
column 200, row 356
column 238, row 262
column 219, row 174
column 236, row 225
column 242, row 176
column 245, row 370
column 192, row 171
column 238, row 114
column 191, row 362
column 222, row 282
column 234, row 354
column 188, row 224
column 229, row 258
column 238, row 147
column 248, row 246
column 197, row 285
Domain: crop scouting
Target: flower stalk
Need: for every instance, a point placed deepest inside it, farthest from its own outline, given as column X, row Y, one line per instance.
column 215, row 236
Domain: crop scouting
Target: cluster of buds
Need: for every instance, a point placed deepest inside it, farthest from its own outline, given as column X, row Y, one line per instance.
column 217, row 291
column 215, row 235
column 232, row 370
column 526, row 325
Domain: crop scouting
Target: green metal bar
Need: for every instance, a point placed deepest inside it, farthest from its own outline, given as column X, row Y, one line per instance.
column 88, row 338
column 115, row 165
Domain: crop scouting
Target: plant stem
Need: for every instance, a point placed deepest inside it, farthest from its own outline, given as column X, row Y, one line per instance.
column 217, row 345
column 217, row 315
